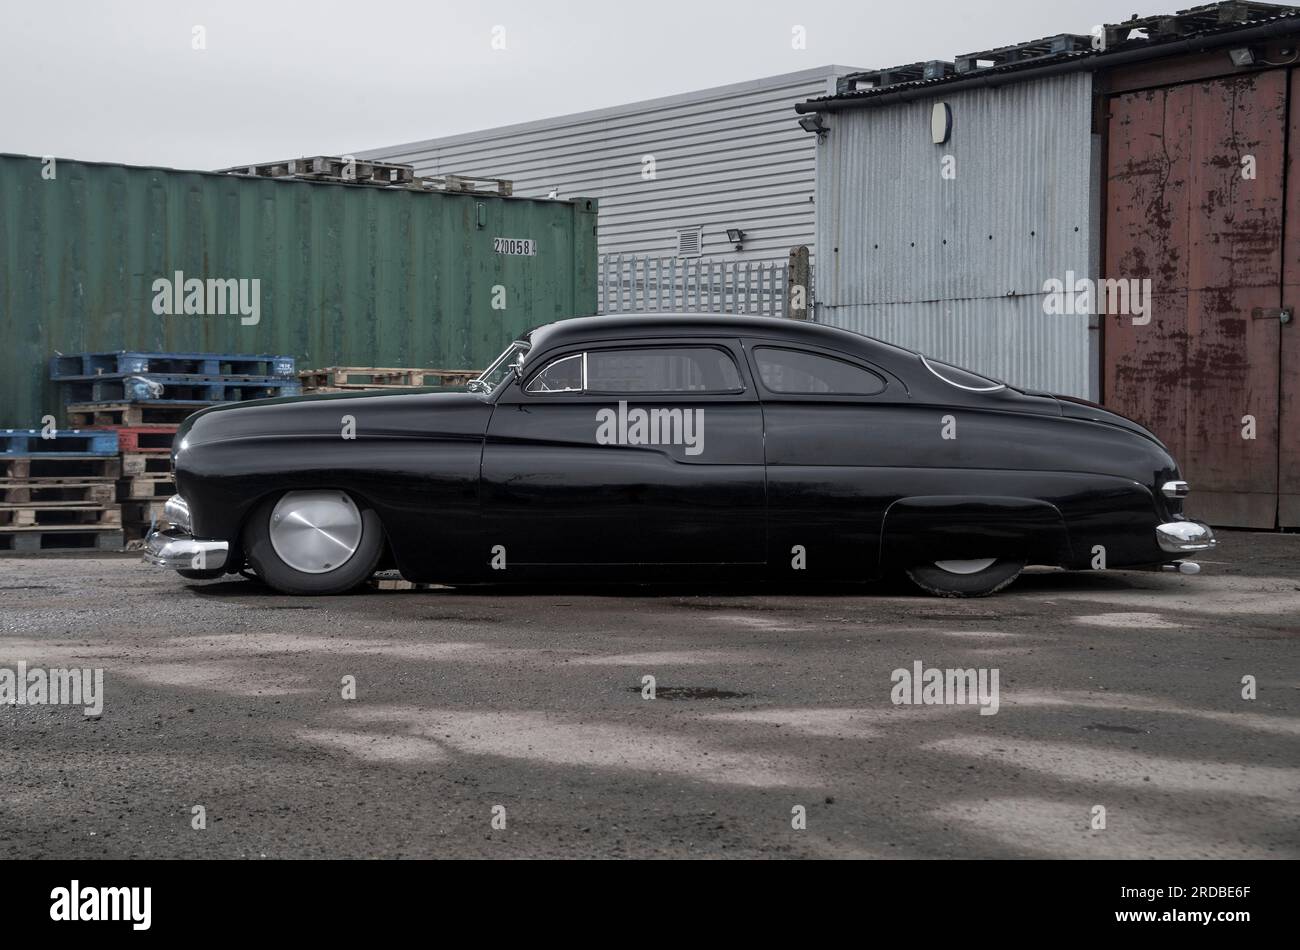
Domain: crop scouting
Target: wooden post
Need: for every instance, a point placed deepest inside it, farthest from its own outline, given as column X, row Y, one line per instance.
column 798, row 296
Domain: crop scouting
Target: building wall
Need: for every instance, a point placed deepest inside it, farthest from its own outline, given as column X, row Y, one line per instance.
column 956, row 268
column 729, row 157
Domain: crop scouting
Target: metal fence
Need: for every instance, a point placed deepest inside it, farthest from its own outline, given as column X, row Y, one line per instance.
column 632, row 284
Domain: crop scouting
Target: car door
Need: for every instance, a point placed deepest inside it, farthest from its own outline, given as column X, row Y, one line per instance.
column 823, row 414
column 627, row 453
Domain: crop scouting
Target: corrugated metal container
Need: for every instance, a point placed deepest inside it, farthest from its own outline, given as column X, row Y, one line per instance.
column 729, row 157
column 956, row 267
column 349, row 275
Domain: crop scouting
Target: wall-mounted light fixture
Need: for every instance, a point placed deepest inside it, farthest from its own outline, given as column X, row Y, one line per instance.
column 813, row 123
column 1242, row 56
column 940, row 123
column 736, row 237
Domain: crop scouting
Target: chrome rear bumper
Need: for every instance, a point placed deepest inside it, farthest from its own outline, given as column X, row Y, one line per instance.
column 1179, row 537
column 175, row 549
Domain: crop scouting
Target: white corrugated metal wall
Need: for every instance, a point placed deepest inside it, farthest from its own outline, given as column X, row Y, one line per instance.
column 955, row 268
column 729, row 157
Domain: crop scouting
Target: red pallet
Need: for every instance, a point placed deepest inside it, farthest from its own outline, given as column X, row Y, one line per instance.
column 134, row 439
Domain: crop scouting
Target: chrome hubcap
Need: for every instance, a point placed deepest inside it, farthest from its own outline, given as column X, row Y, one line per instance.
column 966, row 567
column 315, row 531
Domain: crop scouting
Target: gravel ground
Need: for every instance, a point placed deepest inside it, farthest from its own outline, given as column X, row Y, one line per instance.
column 1121, row 690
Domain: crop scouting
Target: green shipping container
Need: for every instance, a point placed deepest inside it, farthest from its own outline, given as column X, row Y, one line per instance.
column 347, row 275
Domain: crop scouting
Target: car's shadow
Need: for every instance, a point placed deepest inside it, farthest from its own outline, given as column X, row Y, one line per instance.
column 1032, row 582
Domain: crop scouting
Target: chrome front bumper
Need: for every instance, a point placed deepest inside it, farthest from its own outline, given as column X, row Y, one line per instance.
column 175, row 549
column 1179, row 537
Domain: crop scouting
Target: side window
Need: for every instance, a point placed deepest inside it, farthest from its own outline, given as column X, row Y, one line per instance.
column 561, row 376
column 662, row 369
column 803, row 373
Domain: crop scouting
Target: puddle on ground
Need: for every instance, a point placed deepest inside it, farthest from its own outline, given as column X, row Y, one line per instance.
column 691, row 692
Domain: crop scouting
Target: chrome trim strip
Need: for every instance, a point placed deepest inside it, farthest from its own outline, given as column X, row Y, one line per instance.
column 970, row 389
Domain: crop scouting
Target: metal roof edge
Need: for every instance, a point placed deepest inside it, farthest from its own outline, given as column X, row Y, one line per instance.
column 1133, row 51
column 607, row 112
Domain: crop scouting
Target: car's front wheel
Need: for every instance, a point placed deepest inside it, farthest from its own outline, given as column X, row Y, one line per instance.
column 313, row 542
column 976, row 577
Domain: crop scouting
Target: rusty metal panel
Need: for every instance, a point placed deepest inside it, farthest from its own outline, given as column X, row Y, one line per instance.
column 1181, row 213
column 1289, row 334
column 348, row 274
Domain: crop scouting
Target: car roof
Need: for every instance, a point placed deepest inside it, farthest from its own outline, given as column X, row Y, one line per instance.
column 677, row 325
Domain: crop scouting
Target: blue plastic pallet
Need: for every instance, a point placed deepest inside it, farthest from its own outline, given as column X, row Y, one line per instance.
column 31, row 443
column 80, row 366
column 143, row 389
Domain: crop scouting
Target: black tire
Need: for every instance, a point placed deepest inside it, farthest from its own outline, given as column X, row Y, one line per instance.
column 349, row 575
column 935, row 580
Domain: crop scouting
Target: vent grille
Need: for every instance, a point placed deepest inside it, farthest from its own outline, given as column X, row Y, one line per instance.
column 689, row 241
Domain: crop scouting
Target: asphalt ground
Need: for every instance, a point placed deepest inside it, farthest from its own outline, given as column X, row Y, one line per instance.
column 513, row 722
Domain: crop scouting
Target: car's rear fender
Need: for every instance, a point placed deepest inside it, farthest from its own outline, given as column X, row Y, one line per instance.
column 922, row 528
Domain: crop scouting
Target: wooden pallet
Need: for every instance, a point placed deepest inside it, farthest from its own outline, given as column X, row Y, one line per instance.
column 60, row 466
column 330, row 168
column 57, row 491
column 41, row 540
column 153, row 464
column 91, row 365
column 144, row 488
column 142, row 512
column 131, row 414
column 39, row 442
column 399, row 583
column 18, row 517
column 342, row 378
column 165, row 390
column 136, row 439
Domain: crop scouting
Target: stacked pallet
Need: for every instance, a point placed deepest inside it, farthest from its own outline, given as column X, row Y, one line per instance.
column 58, row 491
column 335, row 379
column 143, row 397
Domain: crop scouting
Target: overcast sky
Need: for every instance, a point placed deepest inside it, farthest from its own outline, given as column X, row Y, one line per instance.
column 121, row 81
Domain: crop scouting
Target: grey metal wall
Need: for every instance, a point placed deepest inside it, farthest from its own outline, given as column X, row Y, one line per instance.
column 955, row 268
column 732, row 156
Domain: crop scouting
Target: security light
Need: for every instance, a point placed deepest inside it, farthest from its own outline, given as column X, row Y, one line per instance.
column 736, row 237
column 813, row 123
column 1242, row 56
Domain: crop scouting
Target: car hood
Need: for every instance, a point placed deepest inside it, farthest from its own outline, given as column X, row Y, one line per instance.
column 384, row 411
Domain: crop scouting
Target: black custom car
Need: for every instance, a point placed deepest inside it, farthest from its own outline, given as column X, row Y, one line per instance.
column 657, row 447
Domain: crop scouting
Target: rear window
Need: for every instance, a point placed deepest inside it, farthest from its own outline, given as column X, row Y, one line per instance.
column 804, row 373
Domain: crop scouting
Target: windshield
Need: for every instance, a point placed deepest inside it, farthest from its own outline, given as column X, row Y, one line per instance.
column 500, row 370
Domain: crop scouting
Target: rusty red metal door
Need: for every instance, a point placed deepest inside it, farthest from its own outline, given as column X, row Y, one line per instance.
column 1194, row 204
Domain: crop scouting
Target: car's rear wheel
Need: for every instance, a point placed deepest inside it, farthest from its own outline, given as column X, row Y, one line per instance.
column 975, row 577
column 313, row 542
